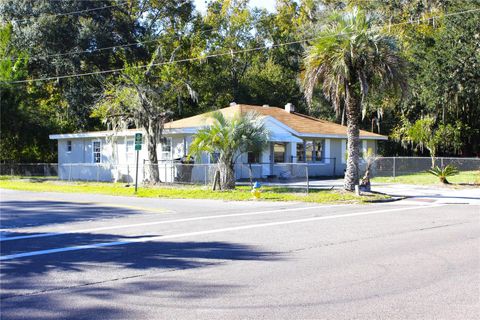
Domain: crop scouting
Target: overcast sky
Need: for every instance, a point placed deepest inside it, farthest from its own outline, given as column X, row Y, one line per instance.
column 267, row 4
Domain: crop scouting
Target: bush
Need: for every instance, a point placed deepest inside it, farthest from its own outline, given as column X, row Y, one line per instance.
column 443, row 173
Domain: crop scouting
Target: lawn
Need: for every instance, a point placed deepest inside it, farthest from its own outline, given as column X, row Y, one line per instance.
column 464, row 177
column 186, row 192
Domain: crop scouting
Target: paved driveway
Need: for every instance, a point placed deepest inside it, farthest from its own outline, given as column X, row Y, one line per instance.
column 68, row 256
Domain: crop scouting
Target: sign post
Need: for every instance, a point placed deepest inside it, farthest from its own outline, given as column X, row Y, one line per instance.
column 138, row 147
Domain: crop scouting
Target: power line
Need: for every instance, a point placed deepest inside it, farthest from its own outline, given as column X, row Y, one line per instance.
column 102, row 48
column 69, row 13
column 231, row 52
column 93, row 50
column 97, row 49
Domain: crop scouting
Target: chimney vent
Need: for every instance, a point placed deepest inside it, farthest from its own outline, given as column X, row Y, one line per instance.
column 290, row 108
column 266, row 106
column 233, row 104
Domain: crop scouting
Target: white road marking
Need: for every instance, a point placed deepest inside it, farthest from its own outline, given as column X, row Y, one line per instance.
column 197, row 233
column 51, row 234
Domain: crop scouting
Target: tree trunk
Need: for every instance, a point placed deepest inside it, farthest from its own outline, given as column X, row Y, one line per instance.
column 152, row 138
column 353, row 111
column 216, row 180
column 227, row 176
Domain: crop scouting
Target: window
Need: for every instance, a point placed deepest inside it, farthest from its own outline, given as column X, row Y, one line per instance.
column 69, row 145
column 309, row 151
column 130, row 146
column 279, row 152
column 97, row 152
column 130, row 149
column 253, row 157
column 314, row 150
column 166, row 148
column 300, row 152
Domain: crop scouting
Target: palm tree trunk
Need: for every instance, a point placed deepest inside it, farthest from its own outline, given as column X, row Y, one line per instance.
column 227, row 176
column 353, row 138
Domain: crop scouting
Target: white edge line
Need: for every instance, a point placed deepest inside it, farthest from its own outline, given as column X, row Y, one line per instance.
column 181, row 235
column 51, row 234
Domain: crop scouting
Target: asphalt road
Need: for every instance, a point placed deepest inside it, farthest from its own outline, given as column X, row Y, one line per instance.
column 69, row 256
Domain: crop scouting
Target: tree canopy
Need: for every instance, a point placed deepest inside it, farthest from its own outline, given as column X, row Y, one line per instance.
column 59, row 59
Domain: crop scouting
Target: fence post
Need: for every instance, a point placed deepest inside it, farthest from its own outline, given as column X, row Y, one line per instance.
column 394, row 167
column 70, row 173
column 206, row 177
column 98, row 172
column 441, row 162
column 308, row 181
column 334, row 167
column 165, row 171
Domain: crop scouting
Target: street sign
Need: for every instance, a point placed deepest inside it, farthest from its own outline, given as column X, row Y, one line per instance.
column 138, row 141
column 138, row 147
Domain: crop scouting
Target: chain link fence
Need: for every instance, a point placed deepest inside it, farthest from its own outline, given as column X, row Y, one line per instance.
column 180, row 173
column 176, row 172
column 398, row 166
column 41, row 170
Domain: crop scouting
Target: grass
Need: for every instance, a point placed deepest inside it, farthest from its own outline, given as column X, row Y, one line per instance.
column 464, row 177
column 186, row 192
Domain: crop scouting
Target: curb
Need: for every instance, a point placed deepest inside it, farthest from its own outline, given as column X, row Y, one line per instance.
column 391, row 199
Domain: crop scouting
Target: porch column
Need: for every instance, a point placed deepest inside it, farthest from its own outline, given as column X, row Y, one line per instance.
column 292, row 152
column 266, row 159
column 326, row 147
column 184, row 146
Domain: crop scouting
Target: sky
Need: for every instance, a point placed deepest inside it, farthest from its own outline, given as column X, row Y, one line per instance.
column 266, row 4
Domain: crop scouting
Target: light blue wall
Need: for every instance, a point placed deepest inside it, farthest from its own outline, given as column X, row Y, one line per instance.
column 118, row 168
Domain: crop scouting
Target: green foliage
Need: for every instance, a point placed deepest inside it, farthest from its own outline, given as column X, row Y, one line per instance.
column 230, row 138
column 25, row 114
column 443, row 173
column 347, row 59
column 424, row 133
column 187, row 192
column 349, row 52
column 442, row 64
column 425, row 178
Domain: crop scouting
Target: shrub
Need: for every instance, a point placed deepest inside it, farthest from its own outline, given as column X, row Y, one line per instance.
column 443, row 173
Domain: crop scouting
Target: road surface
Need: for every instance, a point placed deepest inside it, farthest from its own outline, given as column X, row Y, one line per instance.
column 73, row 256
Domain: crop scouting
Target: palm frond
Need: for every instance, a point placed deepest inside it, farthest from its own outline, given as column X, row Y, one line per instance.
column 348, row 51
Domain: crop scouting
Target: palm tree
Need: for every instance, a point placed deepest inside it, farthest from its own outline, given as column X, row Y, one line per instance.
column 230, row 138
column 347, row 58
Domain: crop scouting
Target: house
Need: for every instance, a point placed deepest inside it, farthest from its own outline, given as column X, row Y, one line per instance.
column 295, row 140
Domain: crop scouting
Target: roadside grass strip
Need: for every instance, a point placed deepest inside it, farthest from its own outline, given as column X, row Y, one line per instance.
column 205, row 232
column 241, row 193
column 425, row 178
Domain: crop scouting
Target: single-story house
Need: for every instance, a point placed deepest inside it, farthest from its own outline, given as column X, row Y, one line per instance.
column 295, row 140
